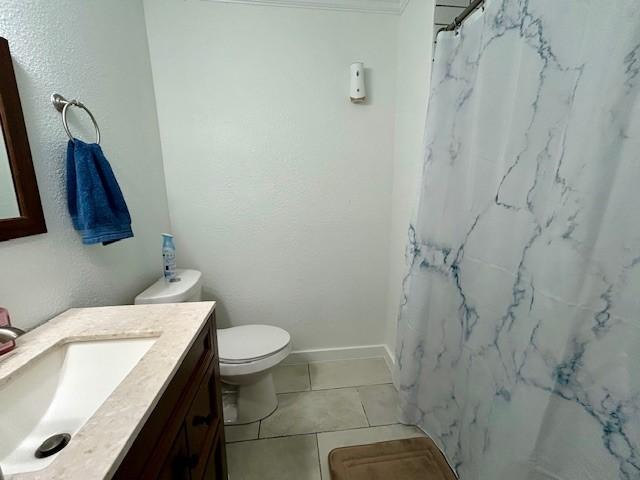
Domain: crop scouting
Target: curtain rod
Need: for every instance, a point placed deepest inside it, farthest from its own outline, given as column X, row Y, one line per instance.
column 460, row 18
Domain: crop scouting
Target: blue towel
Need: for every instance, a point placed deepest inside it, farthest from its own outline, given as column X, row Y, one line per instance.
column 96, row 204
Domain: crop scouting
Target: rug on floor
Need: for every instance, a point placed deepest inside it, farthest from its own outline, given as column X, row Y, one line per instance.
column 409, row 459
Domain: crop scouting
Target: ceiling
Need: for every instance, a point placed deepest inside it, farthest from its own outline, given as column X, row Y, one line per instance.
column 389, row 7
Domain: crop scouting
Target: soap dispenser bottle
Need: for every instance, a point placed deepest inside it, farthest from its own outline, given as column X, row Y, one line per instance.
column 168, row 257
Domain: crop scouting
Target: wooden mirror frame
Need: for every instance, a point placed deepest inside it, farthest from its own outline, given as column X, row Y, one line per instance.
column 31, row 219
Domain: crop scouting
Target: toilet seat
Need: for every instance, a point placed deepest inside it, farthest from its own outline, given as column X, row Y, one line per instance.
column 251, row 349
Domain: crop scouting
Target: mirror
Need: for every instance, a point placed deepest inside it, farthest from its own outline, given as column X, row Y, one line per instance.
column 20, row 207
column 8, row 200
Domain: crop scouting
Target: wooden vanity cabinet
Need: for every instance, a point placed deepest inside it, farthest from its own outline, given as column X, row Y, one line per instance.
column 183, row 438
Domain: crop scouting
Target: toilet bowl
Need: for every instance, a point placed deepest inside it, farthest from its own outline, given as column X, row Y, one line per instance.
column 246, row 353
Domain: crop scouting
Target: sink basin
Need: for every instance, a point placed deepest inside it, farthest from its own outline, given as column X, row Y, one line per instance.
column 57, row 393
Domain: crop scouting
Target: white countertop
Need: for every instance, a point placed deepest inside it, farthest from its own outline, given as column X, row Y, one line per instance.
column 97, row 449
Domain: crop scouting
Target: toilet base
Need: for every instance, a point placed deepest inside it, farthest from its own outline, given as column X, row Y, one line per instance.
column 256, row 397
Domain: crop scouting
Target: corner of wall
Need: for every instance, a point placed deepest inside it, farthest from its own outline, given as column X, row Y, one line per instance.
column 414, row 44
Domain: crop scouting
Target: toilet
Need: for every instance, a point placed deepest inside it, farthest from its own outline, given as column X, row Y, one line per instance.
column 246, row 353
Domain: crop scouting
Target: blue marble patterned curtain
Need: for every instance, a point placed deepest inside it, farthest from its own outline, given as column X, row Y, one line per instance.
column 519, row 332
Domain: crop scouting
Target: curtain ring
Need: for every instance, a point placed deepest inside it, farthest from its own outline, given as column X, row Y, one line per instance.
column 66, row 126
column 456, row 25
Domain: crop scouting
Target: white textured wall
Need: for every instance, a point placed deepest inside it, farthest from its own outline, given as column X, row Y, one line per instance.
column 415, row 36
column 279, row 188
column 96, row 51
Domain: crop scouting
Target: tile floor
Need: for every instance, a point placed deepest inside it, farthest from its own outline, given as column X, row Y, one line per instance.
column 321, row 406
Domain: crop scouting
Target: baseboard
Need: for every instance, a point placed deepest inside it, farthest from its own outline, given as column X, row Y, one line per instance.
column 341, row 353
column 389, row 357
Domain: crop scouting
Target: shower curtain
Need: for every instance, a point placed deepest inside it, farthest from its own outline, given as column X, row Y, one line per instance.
column 518, row 343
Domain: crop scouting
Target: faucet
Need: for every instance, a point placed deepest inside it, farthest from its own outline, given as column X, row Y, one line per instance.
column 8, row 334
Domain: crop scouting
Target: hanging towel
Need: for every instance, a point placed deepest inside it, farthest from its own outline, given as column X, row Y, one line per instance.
column 96, row 204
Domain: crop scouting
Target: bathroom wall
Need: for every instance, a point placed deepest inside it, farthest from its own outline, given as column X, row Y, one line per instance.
column 415, row 35
column 279, row 188
column 96, row 51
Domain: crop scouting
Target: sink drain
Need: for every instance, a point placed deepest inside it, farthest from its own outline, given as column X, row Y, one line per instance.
column 52, row 445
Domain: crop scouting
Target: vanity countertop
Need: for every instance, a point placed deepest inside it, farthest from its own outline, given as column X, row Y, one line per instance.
column 97, row 449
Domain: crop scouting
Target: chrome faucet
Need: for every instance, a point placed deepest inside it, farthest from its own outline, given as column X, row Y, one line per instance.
column 8, row 334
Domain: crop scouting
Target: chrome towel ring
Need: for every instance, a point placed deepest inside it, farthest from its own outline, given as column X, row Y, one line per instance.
column 62, row 104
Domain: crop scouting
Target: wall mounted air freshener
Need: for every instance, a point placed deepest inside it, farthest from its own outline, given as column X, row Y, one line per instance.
column 358, row 90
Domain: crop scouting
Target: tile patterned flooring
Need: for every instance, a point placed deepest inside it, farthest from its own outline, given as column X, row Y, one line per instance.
column 321, row 406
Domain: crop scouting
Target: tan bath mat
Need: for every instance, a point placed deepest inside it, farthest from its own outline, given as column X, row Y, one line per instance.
column 410, row 459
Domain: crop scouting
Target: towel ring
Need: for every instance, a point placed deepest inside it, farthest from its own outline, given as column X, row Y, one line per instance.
column 62, row 104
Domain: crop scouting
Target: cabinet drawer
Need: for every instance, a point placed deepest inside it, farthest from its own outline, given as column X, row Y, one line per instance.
column 202, row 422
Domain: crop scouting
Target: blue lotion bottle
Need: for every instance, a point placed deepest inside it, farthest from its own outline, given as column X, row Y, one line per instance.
column 168, row 257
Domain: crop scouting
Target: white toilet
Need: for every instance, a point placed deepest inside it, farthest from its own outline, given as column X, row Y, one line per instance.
column 246, row 353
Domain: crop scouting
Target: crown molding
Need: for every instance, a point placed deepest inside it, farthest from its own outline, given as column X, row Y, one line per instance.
column 388, row 7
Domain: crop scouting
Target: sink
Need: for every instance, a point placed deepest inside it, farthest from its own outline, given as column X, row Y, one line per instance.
column 57, row 393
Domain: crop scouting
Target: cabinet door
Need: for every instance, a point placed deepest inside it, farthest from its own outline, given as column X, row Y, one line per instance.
column 152, row 445
column 216, row 468
column 202, row 423
column 176, row 465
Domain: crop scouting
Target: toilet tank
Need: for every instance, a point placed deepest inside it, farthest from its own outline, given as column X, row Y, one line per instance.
column 187, row 288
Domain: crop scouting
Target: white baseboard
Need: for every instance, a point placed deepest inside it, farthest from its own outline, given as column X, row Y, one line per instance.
column 389, row 357
column 341, row 353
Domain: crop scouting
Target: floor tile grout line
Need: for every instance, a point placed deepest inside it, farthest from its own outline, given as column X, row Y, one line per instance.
column 319, row 460
column 292, row 391
column 308, row 374
column 326, row 431
column 339, row 388
column 318, row 432
column 278, row 437
column 363, row 409
column 351, row 386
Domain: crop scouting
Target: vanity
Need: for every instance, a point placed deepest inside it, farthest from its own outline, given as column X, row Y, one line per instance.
column 135, row 388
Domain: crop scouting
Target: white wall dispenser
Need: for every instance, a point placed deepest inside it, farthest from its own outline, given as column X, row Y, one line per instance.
column 358, row 90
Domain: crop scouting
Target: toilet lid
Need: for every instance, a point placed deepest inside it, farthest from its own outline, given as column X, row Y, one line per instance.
column 250, row 342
